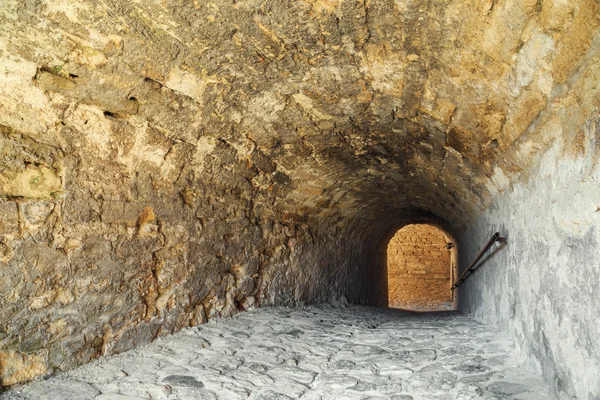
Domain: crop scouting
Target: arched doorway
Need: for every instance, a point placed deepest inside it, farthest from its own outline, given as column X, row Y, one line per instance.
column 421, row 268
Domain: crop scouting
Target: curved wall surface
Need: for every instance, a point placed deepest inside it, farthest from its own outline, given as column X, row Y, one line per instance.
column 167, row 162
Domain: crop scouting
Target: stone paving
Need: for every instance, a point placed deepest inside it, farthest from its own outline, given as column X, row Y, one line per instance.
column 353, row 353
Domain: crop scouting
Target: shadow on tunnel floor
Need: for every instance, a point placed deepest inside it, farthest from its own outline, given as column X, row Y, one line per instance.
column 404, row 311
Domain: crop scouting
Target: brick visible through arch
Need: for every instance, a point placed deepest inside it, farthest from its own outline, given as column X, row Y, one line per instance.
column 419, row 269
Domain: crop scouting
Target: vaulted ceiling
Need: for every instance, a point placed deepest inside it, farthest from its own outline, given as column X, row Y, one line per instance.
column 315, row 108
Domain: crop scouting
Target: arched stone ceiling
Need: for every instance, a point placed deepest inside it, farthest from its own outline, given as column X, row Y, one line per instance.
column 345, row 109
column 165, row 162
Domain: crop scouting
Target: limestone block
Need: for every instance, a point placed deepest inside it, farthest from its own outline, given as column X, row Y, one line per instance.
column 122, row 212
column 19, row 367
column 9, row 218
column 36, row 212
column 31, row 183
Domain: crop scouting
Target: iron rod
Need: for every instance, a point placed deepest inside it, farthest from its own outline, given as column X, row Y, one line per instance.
column 463, row 277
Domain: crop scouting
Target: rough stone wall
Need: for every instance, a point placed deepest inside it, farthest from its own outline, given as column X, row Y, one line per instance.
column 419, row 270
column 76, row 285
column 99, row 256
column 168, row 161
column 542, row 287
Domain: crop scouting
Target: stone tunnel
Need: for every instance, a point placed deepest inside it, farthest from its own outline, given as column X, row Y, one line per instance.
column 168, row 163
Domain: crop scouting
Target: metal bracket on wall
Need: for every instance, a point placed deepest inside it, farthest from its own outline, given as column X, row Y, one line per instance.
column 469, row 271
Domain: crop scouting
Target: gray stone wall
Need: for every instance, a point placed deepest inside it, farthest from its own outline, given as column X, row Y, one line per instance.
column 543, row 286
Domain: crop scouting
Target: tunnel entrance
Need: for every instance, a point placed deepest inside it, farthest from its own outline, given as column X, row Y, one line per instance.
column 421, row 268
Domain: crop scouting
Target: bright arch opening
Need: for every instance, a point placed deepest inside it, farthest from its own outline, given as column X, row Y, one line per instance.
column 421, row 269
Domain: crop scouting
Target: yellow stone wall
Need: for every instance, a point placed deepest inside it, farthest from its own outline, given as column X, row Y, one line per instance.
column 419, row 269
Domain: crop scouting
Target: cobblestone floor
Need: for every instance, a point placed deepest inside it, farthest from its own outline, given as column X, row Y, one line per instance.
column 353, row 353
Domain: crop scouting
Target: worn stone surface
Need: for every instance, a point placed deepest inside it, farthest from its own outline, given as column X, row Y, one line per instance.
column 165, row 163
column 419, row 269
column 315, row 353
column 542, row 285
